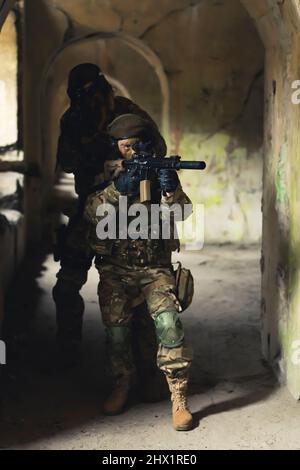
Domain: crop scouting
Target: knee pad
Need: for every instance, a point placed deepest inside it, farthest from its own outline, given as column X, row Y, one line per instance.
column 118, row 337
column 169, row 329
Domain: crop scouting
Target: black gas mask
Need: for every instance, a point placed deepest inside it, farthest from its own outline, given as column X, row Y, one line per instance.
column 80, row 97
column 92, row 103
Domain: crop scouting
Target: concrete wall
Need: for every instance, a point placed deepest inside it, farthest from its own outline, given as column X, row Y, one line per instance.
column 279, row 27
column 216, row 113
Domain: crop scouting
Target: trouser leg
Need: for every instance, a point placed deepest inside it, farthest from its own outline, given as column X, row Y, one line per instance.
column 69, row 303
column 174, row 356
column 144, row 340
column 76, row 259
column 116, row 315
column 151, row 384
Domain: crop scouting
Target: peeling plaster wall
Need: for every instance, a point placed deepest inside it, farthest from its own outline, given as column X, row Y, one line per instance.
column 287, row 212
column 279, row 25
column 290, row 316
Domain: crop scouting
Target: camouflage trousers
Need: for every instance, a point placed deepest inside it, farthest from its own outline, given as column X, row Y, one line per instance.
column 76, row 260
column 117, row 287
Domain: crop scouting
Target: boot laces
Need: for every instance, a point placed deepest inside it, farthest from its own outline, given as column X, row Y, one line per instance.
column 179, row 398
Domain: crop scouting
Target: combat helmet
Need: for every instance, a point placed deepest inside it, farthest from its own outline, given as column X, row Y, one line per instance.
column 128, row 125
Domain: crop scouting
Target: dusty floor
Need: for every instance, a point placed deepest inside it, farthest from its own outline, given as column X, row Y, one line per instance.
column 236, row 401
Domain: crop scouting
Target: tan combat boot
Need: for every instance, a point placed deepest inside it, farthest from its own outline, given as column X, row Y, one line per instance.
column 118, row 397
column 182, row 418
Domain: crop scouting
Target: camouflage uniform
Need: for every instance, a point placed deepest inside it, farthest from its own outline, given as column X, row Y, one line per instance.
column 127, row 269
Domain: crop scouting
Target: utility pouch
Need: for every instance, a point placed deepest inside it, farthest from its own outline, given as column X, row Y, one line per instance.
column 184, row 282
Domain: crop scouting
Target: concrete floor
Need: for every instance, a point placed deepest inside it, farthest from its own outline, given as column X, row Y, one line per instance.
column 234, row 397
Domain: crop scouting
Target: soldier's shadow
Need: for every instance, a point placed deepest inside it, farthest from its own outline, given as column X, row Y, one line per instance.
column 228, row 371
column 249, row 390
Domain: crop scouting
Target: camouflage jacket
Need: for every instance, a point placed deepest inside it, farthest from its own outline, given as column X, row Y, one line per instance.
column 153, row 251
column 85, row 155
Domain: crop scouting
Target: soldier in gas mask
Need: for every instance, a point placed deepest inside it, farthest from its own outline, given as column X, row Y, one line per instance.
column 83, row 148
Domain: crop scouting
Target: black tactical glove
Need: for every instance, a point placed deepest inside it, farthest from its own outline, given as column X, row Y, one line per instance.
column 128, row 183
column 79, row 122
column 168, row 180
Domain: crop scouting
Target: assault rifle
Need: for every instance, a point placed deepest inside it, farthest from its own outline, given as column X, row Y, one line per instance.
column 145, row 164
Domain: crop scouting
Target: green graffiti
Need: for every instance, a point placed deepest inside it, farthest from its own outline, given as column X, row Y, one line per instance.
column 213, row 200
column 239, row 153
column 280, row 179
